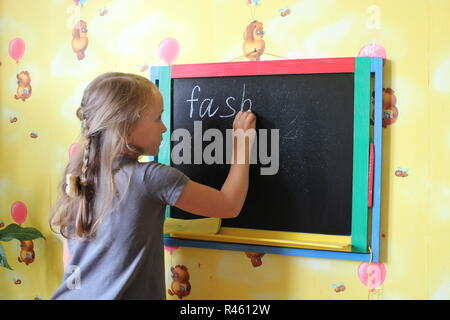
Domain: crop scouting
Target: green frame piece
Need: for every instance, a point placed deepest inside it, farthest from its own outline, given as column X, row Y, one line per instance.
column 361, row 139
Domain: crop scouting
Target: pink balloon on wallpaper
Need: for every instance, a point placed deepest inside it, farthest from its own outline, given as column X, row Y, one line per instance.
column 171, row 249
column 19, row 212
column 372, row 275
column 373, row 49
column 16, row 49
column 73, row 149
column 169, row 49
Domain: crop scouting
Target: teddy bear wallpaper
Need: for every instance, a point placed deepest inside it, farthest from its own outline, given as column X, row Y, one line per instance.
column 45, row 64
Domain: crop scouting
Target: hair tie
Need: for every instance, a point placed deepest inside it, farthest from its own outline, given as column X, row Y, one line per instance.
column 72, row 189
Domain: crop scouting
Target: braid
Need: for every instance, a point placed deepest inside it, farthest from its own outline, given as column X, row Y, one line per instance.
column 87, row 147
column 85, row 216
column 78, row 184
column 88, row 170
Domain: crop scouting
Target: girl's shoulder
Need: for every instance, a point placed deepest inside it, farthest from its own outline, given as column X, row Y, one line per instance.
column 155, row 170
column 162, row 181
column 151, row 172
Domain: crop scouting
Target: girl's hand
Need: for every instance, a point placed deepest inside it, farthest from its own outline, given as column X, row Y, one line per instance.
column 244, row 120
column 244, row 133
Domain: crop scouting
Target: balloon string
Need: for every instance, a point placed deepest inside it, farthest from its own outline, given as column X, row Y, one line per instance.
column 271, row 54
column 240, row 57
column 245, row 55
column 368, row 273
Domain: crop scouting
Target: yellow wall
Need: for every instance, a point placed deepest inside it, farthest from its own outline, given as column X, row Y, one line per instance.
column 415, row 209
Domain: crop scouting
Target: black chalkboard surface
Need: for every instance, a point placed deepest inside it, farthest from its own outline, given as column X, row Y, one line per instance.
column 311, row 191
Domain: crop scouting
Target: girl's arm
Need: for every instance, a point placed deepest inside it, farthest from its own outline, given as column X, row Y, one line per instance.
column 202, row 200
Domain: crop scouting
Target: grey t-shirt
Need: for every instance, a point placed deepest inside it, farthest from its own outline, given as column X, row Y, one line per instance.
column 125, row 260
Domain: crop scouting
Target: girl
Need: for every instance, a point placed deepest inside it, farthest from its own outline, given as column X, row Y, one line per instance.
column 111, row 207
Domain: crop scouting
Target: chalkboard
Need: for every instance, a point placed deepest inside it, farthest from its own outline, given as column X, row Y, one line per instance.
column 312, row 190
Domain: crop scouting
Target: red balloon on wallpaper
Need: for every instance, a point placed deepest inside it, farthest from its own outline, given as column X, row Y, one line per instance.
column 171, row 249
column 19, row 212
column 373, row 49
column 372, row 274
column 169, row 49
column 16, row 49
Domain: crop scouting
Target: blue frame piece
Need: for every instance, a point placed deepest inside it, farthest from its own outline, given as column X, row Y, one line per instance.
column 154, row 75
column 268, row 249
column 376, row 68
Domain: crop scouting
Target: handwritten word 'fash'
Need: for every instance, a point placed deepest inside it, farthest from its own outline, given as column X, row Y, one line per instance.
column 207, row 105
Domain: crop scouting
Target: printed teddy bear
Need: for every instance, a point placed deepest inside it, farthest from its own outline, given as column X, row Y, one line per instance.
column 80, row 39
column 255, row 257
column 24, row 86
column 27, row 252
column 254, row 45
column 180, row 282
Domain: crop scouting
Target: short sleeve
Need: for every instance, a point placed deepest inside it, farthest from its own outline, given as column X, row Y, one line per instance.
column 164, row 182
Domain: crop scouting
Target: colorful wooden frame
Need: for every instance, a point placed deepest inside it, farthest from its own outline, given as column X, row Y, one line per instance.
column 364, row 68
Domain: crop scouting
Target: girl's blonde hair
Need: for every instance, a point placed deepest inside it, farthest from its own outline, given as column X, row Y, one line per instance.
column 111, row 105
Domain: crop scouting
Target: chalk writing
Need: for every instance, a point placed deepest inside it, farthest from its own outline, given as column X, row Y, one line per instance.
column 207, row 107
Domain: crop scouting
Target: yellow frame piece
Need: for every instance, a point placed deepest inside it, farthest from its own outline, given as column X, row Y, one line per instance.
column 274, row 238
